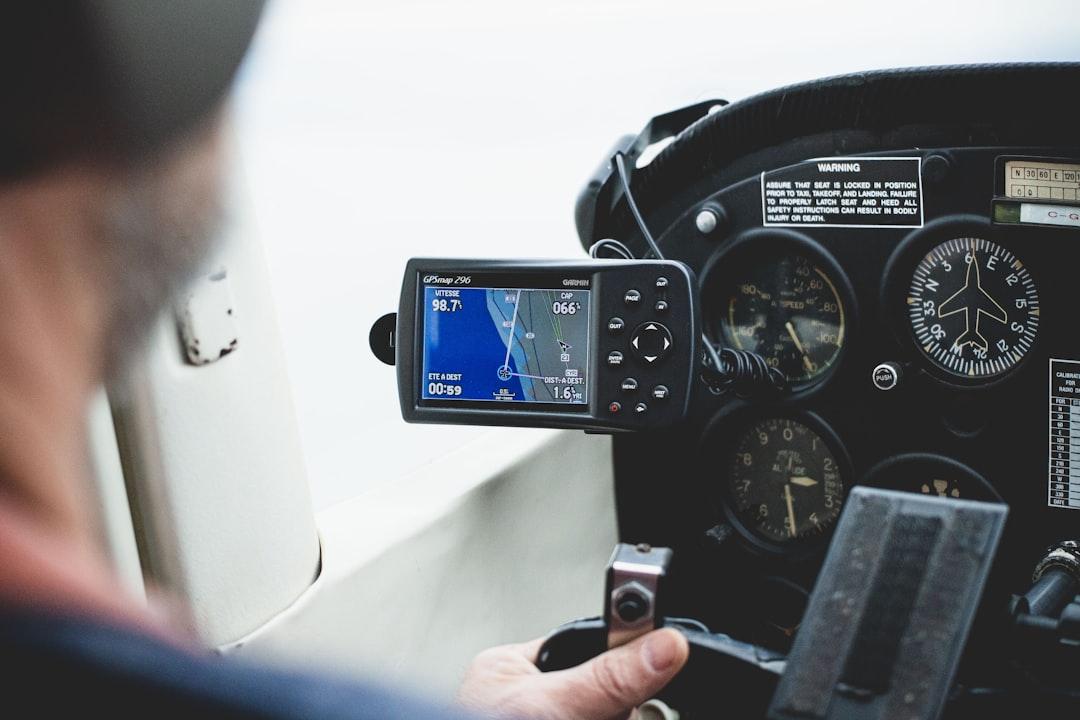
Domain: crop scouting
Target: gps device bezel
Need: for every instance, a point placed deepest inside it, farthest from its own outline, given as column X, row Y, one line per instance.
column 609, row 280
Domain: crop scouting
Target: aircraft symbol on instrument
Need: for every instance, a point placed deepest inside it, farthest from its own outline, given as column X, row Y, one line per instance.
column 977, row 302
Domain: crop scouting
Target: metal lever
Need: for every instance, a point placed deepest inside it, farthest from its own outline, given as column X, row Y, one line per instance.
column 634, row 578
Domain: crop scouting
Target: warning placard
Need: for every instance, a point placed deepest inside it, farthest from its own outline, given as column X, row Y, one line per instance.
column 844, row 192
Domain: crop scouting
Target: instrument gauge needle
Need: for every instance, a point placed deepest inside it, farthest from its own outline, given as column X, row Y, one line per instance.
column 799, row 346
column 803, row 481
column 790, row 509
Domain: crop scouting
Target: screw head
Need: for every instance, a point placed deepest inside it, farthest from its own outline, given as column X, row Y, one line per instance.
column 632, row 607
column 706, row 221
column 632, row 602
column 935, row 168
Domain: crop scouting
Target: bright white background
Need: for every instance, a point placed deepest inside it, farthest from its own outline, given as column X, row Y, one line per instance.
column 372, row 132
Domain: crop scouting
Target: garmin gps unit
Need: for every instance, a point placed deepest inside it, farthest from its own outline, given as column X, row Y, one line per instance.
column 599, row 344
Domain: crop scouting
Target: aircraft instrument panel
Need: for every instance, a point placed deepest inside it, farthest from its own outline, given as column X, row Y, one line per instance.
column 904, row 248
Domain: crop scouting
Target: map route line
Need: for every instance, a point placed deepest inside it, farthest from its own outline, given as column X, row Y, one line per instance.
column 513, row 324
column 556, row 326
column 538, row 379
column 539, row 369
column 528, row 366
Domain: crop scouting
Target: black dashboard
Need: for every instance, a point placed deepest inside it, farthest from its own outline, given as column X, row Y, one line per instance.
column 905, row 247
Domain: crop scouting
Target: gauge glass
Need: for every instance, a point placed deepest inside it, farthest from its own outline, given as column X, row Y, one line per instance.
column 789, row 312
column 777, row 610
column 785, row 482
column 973, row 308
column 931, row 475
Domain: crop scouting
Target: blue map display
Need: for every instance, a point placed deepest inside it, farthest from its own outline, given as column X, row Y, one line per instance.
column 513, row 345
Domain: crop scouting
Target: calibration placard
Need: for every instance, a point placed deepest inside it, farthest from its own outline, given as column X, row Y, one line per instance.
column 1043, row 180
column 1064, row 434
column 844, row 192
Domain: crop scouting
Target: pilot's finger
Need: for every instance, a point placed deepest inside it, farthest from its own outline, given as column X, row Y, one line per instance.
column 530, row 650
column 610, row 685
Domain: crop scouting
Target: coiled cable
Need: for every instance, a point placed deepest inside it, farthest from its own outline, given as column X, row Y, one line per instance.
column 745, row 373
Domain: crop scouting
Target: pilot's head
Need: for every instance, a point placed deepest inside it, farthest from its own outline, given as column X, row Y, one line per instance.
column 110, row 164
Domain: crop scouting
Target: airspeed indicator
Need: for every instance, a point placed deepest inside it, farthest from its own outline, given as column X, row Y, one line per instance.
column 973, row 308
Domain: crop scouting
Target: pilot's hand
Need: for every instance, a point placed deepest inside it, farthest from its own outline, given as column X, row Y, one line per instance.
column 504, row 681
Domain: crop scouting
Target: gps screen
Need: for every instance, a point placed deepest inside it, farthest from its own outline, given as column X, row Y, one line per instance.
column 508, row 345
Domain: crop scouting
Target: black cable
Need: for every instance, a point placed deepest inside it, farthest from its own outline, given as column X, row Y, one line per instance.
column 620, row 166
column 744, row 372
column 725, row 370
column 614, row 246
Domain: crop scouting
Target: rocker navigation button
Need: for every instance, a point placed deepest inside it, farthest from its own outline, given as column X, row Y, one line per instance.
column 651, row 342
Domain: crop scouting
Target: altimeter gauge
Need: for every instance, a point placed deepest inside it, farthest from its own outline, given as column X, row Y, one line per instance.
column 784, row 480
column 973, row 307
